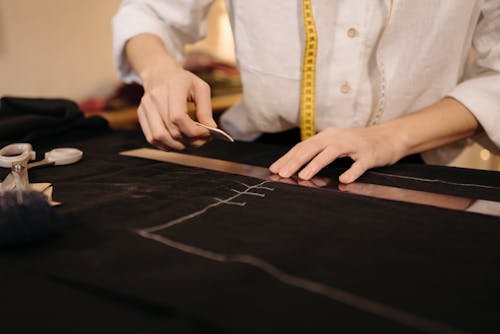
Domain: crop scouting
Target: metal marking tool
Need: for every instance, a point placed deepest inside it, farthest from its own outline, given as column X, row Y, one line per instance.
column 216, row 132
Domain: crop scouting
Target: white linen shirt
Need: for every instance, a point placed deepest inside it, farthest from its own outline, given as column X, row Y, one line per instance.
column 370, row 68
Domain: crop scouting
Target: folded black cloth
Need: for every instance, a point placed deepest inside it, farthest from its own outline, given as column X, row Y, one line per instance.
column 25, row 119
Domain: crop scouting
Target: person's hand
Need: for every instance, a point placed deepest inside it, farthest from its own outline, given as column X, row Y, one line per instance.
column 367, row 147
column 163, row 114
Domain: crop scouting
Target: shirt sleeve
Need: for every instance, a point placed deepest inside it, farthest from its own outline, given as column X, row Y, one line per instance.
column 480, row 93
column 176, row 22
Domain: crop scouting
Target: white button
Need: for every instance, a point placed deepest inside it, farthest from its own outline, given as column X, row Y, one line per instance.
column 345, row 88
column 352, row 32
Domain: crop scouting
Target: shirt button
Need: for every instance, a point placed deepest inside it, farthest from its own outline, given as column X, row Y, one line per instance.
column 345, row 88
column 352, row 32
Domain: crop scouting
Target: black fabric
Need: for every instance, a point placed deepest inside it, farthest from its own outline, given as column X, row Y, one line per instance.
column 27, row 119
column 439, row 264
column 26, row 217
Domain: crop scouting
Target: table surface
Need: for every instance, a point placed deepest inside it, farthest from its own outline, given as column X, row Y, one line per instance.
column 154, row 247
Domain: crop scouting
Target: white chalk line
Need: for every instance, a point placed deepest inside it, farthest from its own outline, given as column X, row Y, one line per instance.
column 470, row 185
column 363, row 304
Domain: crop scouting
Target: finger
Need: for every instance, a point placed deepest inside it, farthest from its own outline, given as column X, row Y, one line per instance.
column 144, row 124
column 203, row 102
column 323, row 159
column 160, row 133
column 160, row 101
column 178, row 114
column 357, row 169
column 299, row 155
column 281, row 166
column 276, row 166
column 147, row 132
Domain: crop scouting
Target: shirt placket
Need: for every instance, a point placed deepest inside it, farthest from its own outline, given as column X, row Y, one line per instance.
column 347, row 65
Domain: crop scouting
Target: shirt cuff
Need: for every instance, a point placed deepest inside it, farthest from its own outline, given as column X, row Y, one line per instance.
column 481, row 96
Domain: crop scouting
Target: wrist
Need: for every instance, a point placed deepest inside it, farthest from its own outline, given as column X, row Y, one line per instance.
column 158, row 68
column 148, row 56
column 439, row 124
column 396, row 138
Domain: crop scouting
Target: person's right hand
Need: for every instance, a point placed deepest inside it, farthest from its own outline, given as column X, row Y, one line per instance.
column 163, row 113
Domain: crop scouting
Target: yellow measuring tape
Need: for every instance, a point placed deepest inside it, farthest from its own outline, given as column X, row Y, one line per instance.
column 308, row 82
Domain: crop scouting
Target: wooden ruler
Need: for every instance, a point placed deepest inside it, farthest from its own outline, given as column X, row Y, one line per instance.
column 308, row 82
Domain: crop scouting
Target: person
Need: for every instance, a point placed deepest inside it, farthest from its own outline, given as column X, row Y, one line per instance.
column 394, row 78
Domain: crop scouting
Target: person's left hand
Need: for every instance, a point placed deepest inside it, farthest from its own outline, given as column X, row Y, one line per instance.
column 367, row 147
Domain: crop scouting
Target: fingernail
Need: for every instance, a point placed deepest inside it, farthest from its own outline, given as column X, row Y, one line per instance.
column 283, row 173
column 305, row 175
column 345, row 179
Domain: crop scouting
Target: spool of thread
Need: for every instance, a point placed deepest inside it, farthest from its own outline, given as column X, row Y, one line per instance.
column 26, row 217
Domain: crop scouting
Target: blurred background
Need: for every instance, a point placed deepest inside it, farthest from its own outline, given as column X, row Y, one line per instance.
column 62, row 48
